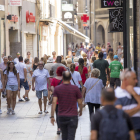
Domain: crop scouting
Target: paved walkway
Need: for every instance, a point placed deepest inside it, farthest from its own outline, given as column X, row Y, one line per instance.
column 28, row 125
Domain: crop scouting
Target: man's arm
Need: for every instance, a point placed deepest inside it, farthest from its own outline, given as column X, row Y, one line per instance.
column 94, row 134
column 53, row 109
column 25, row 74
column 80, row 106
column 83, row 92
column 81, row 83
column 33, row 82
column 132, row 135
column 48, row 81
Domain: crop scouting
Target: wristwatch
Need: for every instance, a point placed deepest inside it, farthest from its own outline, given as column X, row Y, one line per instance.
column 52, row 117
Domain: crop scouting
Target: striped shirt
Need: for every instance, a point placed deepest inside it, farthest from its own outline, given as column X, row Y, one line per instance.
column 127, row 101
column 67, row 95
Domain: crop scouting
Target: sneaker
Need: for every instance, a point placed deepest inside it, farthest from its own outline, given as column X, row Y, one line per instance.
column 3, row 95
column 20, row 100
column 46, row 111
column 0, row 111
column 13, row 112
column 9, row 110
column 26, row 99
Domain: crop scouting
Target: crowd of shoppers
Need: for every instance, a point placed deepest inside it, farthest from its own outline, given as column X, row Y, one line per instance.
column 72, row 83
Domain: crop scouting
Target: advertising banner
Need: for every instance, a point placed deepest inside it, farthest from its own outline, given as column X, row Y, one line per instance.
column 116, row 20
column 15, row 2
column 111, row 3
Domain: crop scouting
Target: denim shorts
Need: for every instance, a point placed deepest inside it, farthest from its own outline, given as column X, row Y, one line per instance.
column 24, row 84
column 12, row 87
column 39, row 93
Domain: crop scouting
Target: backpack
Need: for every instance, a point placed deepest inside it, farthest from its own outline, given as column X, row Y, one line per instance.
column 113, row 126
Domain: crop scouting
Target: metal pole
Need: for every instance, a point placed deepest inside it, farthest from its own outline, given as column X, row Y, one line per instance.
column 94, row 27
column 124, row 34
column 0, row 39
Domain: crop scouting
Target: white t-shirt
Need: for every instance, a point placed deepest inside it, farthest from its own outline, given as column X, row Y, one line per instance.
column 76, row 77
column 16, row 60
column 20, row 67
column 11, row 78
column 41, row 79
column 104, row 50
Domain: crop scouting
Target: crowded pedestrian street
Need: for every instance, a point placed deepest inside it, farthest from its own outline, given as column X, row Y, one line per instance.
column 27, row 124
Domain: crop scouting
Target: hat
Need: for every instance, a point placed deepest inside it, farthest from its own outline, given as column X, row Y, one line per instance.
column 115, row 56
column 50, row 60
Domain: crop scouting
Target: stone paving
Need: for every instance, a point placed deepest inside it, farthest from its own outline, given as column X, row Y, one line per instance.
column 26, row 124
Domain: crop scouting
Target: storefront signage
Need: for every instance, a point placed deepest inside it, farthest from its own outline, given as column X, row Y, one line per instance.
column 67, row 7
column 84, row 18
column 111, row 3
column 116, row 20
column 68, row 16
column 30, row 17
column 12, row 18
column 2, row 8
column 15, row 2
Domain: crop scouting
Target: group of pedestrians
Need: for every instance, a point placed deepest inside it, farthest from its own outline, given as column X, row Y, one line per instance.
column 73, row 82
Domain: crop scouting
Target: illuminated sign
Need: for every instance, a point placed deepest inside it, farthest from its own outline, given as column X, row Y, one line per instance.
column 111, row 3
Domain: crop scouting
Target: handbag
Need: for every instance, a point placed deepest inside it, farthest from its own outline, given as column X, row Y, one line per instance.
column 51, row 98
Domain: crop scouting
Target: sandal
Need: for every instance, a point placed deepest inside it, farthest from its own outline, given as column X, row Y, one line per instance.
column 46, row 111
column 40, row 112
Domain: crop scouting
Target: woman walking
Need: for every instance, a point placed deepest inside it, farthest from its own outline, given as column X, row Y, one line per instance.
column 92, row 91
column 31, row 60
column 12, row 83
column 104, row 51
column 110, row 57
column 119, row 51
column 82, row 70
column 35, row 65
column 29, row 74
column 55, row 82
column 1, row 85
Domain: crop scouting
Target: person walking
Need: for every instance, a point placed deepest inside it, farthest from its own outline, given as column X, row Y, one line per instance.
column 110, row 123
column 21, row 67
column 56, row 65
column 35, row 64
column 98, row 47
column 82, row 70
column 128, row 98
column 91, row 64
column 16, row 60
column 78, row 50
column 1, row 86
column 31, row 60
column 104, row 51
column 49, row 64
column 92, row 91
column 12, row 84
column 29, row 73
column 54, row 56
column 119, row 51
column 55, row 82
column 69, row 62
column 67, row 110
column 76, row 77
column 102, row 65
column 110, row 57
column 110, row 49
column 115, row 67
column 41, row 77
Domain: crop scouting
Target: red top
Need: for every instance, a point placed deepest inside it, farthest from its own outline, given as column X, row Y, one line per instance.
column 67, row 95
column 83, row 75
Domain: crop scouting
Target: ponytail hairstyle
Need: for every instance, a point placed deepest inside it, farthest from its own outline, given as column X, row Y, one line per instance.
column 72, row 68
column 81, row 65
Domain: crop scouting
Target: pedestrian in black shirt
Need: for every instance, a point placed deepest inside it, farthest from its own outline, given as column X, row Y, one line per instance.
column 111, row 123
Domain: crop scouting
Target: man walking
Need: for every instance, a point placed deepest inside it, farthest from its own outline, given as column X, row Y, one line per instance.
column 21, row 67
column 129, row 98
column 115, row 67
column 102, row 65
column 56, row 65
column 111, row 123
column 41, row 78
column 16, row 60
column 67, row 96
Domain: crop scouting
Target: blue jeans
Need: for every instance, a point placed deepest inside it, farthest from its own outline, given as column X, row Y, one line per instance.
column 24, row 84
column 104, row 57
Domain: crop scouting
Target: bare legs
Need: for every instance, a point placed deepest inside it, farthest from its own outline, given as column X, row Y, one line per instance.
column 45, row 102
column 40, row 104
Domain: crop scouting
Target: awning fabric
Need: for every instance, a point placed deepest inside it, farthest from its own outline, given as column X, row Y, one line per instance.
column 68, row 28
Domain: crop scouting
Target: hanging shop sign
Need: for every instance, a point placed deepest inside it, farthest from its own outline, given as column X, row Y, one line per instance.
column 67, row 7
column 29, row 17
column 111, row 3
column 15, row 2
column 116, row 20
column 2, row 8
column 68, row 16
column 12, row 18
column 84, row 18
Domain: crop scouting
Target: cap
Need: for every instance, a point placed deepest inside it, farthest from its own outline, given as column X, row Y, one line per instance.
column 115, row 56
column 50, row 60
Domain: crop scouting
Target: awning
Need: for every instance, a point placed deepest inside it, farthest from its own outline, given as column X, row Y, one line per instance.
column 68, row 28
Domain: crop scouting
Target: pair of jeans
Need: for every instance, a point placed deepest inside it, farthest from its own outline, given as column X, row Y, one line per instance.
column 104, row 57
column 91, row 107
column 56, row 111
column 68, row 126
column 104, row 82
column 115, row 81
